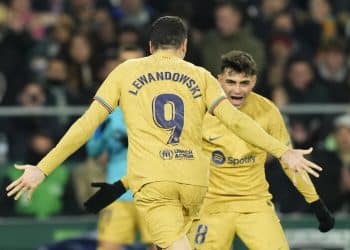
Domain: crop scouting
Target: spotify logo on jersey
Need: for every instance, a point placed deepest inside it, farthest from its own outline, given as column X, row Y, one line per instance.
column 217, row 157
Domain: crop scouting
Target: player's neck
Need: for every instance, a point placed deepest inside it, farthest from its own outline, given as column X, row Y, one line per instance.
column 171, row 52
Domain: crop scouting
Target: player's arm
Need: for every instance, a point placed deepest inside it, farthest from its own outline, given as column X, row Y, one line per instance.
column 246, row 128
column 104, row 102
column 301, row 180
column 98, row 142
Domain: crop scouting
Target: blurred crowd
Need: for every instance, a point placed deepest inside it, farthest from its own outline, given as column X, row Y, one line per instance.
column 57, row 53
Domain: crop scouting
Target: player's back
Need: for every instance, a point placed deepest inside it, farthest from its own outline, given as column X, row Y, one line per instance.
column 164, row 101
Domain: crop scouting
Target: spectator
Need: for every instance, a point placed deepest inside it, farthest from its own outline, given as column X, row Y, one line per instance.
column 229, row 33
column 342, row 149
column 335, row 182
column 83, row 12
column 302, row 85
column 104, row 31
column 280, row 48
column 15, row 45
column 81, row 74
column 333, row 70
column 32, row 95
column 316, row 25
column 267, row 11
column 133, row 13
column 57, row 40
column 129, row 35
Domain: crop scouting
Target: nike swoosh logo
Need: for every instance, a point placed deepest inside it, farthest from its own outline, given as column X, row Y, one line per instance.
column 214, row 138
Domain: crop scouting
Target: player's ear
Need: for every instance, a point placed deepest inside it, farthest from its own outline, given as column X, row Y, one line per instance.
column 184, row 47
column 253, row 81
column 151, row 47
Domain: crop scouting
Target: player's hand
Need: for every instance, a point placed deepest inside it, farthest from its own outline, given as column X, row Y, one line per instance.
column 323, row 215
column 294, row 159
column 107, row 194
column 28, row 182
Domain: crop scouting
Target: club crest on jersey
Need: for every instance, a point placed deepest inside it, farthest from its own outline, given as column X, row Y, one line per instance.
column 166, row 154
column 218, row 157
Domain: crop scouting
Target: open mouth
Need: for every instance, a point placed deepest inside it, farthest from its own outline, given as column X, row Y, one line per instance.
column 237, row 98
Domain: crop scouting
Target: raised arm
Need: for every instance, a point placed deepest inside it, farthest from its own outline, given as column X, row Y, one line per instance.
column 246, row 128
column 105, row 101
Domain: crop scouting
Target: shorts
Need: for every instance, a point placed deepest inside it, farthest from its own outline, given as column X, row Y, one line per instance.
column 169, row 209
column 119, row 222
column 257, row 230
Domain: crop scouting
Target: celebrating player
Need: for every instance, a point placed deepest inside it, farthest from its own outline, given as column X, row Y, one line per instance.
column 238, row 201
column 164, row 100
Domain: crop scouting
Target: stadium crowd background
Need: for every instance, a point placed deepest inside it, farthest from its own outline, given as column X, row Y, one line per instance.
column 57, row 52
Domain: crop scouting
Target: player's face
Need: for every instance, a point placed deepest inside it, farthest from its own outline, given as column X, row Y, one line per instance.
column 237, row 86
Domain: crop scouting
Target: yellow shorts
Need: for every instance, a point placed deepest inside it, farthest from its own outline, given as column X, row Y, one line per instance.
column 258, row 231
column 169, row 209
column 119, row 222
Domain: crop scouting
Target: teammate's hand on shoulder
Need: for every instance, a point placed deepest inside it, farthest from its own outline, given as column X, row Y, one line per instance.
column 28, row 182
column 323, row 215
column 295, row 160
column 107, row 194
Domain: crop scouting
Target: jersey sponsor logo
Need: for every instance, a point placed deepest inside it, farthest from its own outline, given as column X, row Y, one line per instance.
column 241, row 161
column 176, row 154
column 218, row 157
column 176, row 77
column 210, row 138
column 183, row 154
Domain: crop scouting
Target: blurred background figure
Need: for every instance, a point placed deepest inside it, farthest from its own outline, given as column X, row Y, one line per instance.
column 229, row 33
column 339, row 144
column 333, row 69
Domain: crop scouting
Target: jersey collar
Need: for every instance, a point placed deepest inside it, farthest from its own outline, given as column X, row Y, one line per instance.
column 166, row 54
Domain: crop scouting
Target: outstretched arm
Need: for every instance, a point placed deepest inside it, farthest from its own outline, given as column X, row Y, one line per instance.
column 106, row 100
column 74, row 138
column 246, row 128
column 301, row 180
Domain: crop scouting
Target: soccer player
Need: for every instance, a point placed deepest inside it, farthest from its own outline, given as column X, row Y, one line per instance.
column 164, row 100
column 238, row 201
column 118, row 222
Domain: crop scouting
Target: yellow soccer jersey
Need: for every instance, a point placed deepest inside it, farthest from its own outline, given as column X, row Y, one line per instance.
column 237, row 175
column 164, row 100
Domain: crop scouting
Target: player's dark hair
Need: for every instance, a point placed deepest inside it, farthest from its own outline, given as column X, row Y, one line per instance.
column 168, row 32
column 239, row 61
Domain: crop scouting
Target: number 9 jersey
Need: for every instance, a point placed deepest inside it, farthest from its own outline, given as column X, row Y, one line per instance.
column 164, row 100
